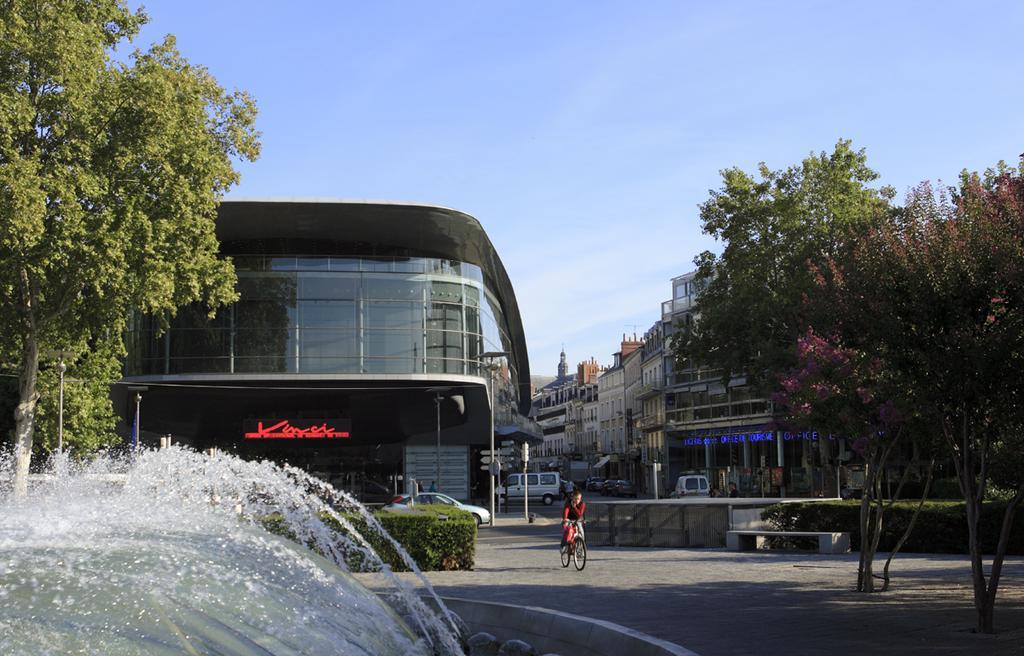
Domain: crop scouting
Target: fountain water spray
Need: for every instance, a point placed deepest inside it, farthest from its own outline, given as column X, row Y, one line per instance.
column 166, row 552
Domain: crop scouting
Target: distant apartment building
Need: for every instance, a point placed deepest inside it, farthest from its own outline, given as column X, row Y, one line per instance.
column 722, row 426
column 632, row 353
column 612, row 414
column 550, row 408
column 650, row 398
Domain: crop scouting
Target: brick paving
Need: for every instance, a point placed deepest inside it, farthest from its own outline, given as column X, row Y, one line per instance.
column 718, row 603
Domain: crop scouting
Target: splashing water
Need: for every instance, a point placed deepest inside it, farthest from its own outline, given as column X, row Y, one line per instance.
column 165, row 554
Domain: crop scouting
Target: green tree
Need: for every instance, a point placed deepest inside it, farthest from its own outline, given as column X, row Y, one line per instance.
column 110, row 172
column 751, row 302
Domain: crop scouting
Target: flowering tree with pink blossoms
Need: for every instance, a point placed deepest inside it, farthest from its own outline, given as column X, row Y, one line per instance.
column 851, row 394
column 936, row 293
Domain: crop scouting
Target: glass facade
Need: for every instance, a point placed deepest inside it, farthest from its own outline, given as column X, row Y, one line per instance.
column 342, row 315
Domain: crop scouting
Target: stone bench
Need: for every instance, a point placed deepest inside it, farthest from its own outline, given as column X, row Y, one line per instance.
column 750, row 540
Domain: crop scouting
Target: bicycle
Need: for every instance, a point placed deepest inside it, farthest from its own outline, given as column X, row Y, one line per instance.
column 576, row 548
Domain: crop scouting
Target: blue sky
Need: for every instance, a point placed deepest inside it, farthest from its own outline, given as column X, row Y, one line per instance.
column 584, row 135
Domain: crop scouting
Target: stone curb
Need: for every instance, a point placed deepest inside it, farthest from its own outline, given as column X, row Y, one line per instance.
column 552, row 631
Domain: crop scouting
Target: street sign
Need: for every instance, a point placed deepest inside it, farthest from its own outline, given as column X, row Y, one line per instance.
column 487, row 452
column 495, row 468
column 485, row 460
column 526, row 452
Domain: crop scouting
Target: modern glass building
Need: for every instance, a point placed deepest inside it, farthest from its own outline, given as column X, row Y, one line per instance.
column 353, row 351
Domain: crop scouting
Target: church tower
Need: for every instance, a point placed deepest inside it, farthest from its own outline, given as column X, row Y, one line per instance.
column 563, row 366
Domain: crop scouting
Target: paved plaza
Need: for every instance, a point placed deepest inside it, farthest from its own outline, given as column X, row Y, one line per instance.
column 719, row 603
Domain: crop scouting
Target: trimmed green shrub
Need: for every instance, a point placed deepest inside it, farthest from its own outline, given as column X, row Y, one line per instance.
column 433, row 542
column 435, row 538
column 941, row 527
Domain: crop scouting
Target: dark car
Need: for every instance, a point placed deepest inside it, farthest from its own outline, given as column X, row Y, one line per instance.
column 624, row 488
column 593, row 484
column 608, row 487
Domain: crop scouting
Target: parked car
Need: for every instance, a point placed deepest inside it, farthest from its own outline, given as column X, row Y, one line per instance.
column 545, row 486
column 404, row 501
column 608, row 487
column 691, row 485
column 624, row 488
column 593, row 484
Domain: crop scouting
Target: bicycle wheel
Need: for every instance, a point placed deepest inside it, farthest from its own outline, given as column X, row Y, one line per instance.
column 565, row 555
column 580, row 555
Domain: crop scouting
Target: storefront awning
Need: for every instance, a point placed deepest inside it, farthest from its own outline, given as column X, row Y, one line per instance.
column 601, row 462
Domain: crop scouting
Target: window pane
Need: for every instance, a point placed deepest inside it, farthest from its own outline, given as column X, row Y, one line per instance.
column 328, row 365
column 393, row 288
column 344, row 264
column 389, row 365
column 405, row 316
column 260, row 365
column 472, row 320
column 313, row 286
column 328, row 343
column 446, row 291
column 199, row 365
column 392, row 343
column 197, row 316
column 270, row 342
column 281, row 287
column 438, row 366
column 444, row 344
column 338, row 315
column 445, row 316
column 312, row 263
column 199, row 343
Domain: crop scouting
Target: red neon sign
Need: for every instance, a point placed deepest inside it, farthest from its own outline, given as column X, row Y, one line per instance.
column 283, row 430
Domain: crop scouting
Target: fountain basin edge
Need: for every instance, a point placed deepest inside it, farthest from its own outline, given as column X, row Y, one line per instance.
column 554, row 631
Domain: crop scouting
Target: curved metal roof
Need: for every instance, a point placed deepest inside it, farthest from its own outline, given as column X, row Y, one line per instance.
column 379, row 228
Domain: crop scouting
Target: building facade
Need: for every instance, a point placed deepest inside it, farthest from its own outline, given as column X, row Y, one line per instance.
column 651, row 397
column 720, row 425
column 357, row 350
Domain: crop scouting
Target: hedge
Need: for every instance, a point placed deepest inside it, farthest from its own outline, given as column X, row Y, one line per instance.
column 436, row 538
column 941, row 527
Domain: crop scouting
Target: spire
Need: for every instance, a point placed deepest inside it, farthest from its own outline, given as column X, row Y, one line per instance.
column 563, row 366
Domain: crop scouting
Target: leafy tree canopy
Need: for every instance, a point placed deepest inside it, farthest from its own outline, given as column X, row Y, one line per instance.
column 771, row 226
column 110, row 173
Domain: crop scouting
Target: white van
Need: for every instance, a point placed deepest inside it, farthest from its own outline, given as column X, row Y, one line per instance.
column 692, row 485
column 545, row 486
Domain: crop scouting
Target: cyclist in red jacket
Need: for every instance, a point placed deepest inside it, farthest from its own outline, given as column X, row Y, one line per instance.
column 572, row 512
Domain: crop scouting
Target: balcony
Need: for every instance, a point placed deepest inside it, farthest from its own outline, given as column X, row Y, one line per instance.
column 669, row 309
column 650, row 422
column 651, row 389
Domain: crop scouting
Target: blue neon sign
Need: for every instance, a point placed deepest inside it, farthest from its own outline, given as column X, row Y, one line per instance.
column 762, row 436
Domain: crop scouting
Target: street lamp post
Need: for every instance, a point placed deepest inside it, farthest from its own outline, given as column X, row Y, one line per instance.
column 437, row 463
column 60, row 407
column 491, row 355
column 138, row 421
column 437, row 391
column 137, row 424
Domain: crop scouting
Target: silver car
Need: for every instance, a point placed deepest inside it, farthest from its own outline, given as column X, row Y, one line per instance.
column 483, row 516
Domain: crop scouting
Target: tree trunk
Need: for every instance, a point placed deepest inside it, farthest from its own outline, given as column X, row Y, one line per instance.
column 910, row 525
column 865, row 570
column 25, row 414
column 986, row 610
